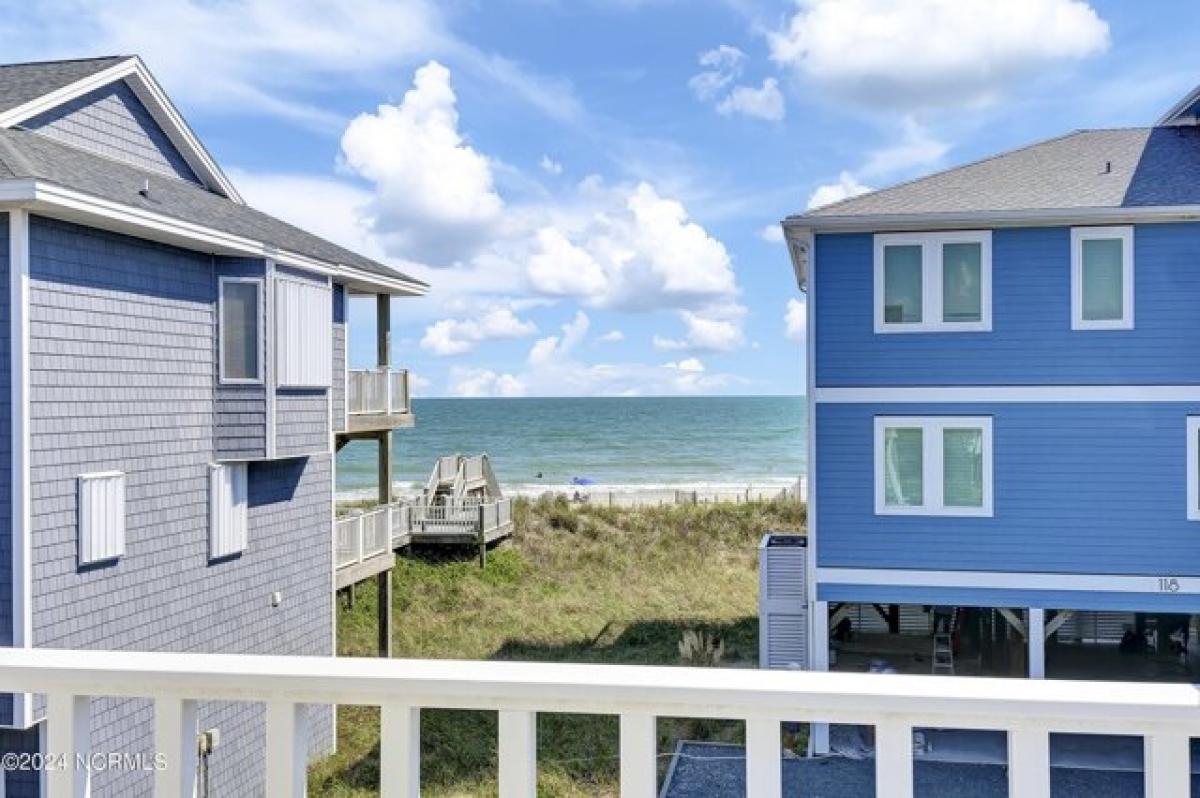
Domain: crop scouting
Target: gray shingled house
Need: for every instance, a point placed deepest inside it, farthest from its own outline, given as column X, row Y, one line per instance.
column 173, row 386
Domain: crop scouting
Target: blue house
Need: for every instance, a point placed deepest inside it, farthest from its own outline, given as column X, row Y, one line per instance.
column 1004, row 411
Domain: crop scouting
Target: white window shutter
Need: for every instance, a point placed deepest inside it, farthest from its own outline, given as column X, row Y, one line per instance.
column 303, row 334
column 101, row 517
column 228, row 505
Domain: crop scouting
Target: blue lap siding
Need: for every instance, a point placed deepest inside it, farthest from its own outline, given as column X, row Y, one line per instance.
column 1031, row 341
column 1094, row 488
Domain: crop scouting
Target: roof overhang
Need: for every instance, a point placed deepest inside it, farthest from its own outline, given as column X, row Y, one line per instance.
column 1184, row 112
column 799, row 239
column 49, row 199
column 150, row 92
column 1040, row 217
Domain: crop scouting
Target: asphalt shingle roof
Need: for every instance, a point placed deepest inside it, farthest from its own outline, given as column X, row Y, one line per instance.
column 24, row 154
column 20, row 83
column 1124, row 168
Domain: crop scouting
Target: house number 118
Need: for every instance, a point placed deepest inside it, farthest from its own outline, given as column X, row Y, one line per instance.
column 1168, row 584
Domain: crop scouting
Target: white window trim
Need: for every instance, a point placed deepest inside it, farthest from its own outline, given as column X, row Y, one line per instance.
column 221, row 282
column 932, row 310
column 1078, row 236
column 932, row 453
column 1193, row 471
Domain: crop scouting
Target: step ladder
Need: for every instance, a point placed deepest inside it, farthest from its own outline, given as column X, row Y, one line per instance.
column 943, row 655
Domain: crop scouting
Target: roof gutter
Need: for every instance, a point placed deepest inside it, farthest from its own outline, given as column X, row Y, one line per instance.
column 58, row 202
column 1040, row 217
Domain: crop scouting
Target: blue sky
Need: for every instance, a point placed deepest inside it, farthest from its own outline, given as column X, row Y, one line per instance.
column 589, row 184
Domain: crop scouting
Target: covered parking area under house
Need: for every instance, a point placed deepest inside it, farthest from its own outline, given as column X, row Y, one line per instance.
column 1106, row 645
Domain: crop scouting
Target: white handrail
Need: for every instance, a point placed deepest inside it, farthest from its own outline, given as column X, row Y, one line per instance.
column 377, row 391
column 1167, row 715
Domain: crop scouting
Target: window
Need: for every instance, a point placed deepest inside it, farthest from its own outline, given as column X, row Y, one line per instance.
column 239, row 311
column 228, row 497
column 1102, row 278
column 1193, row 468
column 933, row 282
column 101, row 517
column 303, row 334
column 933, row 466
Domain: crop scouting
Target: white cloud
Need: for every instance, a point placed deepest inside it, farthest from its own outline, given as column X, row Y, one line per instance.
column 716, row 328
column 559, row 268
column 691, row 364
column 772, row 233
column 435, row 198
column 933, row 53
column 550, row 166
column 723, row 65
column 917, row 148
column 612, row 337
column 847, row 186
column 418, row 385
column 459, row 336
column 765, row 102
column 554, row 348
column 473, row 382
column 795, row 319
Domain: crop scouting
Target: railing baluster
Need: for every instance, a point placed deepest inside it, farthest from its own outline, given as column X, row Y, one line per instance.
column 287, row 749
column 1029, row 763
column 175, row 731
column 68, row 718
column 764, row 758
column 893, row 759
column 399, row 751
column 518, row 754
column 1168, row 766
column 639, row 747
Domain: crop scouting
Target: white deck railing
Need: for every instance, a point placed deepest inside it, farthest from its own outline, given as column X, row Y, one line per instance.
column 1029, row 710
column 362, row 535
column 377, row 391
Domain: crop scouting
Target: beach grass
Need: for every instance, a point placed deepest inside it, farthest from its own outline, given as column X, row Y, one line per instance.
column 576, row 584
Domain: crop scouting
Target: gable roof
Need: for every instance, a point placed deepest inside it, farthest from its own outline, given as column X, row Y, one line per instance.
column 22, row 83
column 1122, row 168
column 27, row 155
column 134, row 73
column 27, row 90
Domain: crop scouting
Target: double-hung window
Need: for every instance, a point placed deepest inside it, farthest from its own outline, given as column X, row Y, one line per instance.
column 933, row 282
column 239, row 309
column 933, row 465
column 1102, row 278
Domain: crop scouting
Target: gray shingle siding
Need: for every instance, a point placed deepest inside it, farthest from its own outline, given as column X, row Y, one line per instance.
column 241, row 410
column 112, row 121
column 6, row 530
column 338, row 395
column 122, row 377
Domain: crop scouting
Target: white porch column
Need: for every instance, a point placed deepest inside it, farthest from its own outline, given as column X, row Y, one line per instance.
column 818, row 648
column 1036, row 629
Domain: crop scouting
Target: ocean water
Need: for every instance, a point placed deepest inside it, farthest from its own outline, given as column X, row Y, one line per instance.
column 719, row 441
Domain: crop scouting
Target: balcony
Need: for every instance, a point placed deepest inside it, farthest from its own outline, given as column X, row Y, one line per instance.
column 377, row 399
column 1165, row 715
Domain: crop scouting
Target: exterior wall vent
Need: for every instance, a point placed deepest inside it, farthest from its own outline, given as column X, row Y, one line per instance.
column 783, row 602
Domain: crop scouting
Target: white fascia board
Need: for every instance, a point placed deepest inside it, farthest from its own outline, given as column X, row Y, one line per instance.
column 799, row 240
column 156, row 101
column 1009, row 393
column 152, row 95
column 1049, row 217
column 64, row 203
column 1175, row 115
column 1006, row 580
column 17, row 115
